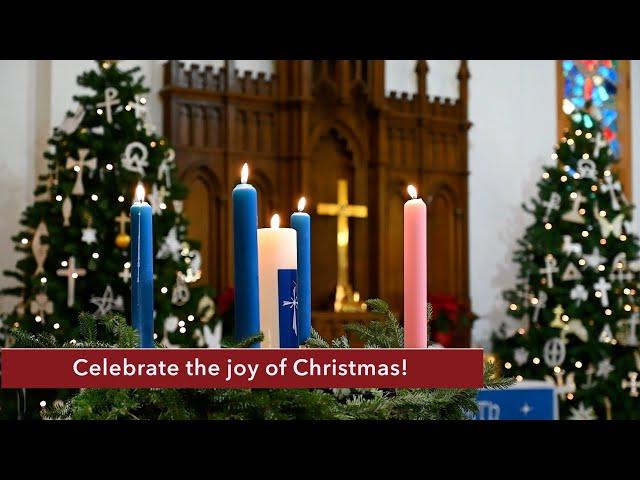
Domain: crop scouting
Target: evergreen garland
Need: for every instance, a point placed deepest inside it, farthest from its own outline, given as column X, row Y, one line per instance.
column 259, row 404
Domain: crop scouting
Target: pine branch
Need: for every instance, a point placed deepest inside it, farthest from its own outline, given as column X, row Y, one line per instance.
column 24, row 339
column 316, row 341
column 246, row 343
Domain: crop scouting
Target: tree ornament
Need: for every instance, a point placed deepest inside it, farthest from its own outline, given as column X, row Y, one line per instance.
column 139, row 107
column 520, row 355
column 589, row 373
column 89, row 235
column 40, row 250
column 541, row 303
column 587, row 169
column 107, row 302
column 563, row 387
column 569, row 247
column 209, row 338
column 607, row 227
column 123, row 240
column 632, row 384
column 164, row 169
column 574, row 327
column 178, row 206
column 573, row 215
column 110, row 100
column 195, row 262
column 181, row 293
column 78, row 165
column 618, row 267
column 603, row 287
column 171, row 246
column 604, row 368
column 557, row 322
column 571, row 273
column 579, row 294
column 134, row 158
column 552, row 204
column 582, row 413
column 206, row 308
column 594, row 259
column 600, row 142
column 627, row 331
column 125, row 274
column 606, row 335
column 634, row 265
column 71, row 272
column 71, row 123
column 550, row 267
column 41, row 305
column 156, row 199
column 67, row 207
column 612, row 187
column 554, row 352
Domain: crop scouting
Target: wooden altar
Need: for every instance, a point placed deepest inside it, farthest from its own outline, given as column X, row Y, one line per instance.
column 303, row 128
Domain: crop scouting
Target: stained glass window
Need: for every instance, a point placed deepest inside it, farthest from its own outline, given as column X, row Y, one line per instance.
column 593, row 85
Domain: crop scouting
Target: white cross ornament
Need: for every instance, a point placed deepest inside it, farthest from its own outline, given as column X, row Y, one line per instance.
column 134, row 157
column 600, row 142
column 552, row 204
column 72, row 273
column 573, row 215
column 78, row 165
column 550, row 267
column 110, row 100
column 632, row 384
column 107, row 302
column 618, row 266
column 631, row 323
column 612, row 187
column 125, row 275
column 603, row 287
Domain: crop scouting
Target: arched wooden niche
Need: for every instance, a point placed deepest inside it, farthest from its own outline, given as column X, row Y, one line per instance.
column 442, row 237
column 394, row 243
column 204, row 207
column 332, row 159
column 266, row 203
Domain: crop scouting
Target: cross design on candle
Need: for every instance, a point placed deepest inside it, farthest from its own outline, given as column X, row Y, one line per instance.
column 293, row 304
column 78, row 165
column 632, row 384
column 552, row 204
column 110, row 100
column 603, row 287
column 72, row 273
column 550, row 267
column 611, row 187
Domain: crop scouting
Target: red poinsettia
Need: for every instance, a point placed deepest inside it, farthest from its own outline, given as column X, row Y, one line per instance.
column 225, row 300
column 446, row 313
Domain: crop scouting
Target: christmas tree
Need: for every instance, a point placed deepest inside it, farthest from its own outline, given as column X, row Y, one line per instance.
column 75, row 238
column 576, row 303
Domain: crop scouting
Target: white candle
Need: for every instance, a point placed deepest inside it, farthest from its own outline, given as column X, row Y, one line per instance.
column 277, row 266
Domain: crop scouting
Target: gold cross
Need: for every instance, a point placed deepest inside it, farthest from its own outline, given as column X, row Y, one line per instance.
column 123, row 219
column 343, row 211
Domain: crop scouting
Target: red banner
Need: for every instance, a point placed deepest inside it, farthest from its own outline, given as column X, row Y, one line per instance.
column 242, row 368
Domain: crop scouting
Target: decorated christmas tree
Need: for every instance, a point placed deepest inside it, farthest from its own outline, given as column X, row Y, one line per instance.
column 575, row 307
column 74, row 238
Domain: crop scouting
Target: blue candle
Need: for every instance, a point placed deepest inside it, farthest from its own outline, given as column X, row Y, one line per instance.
column 142, row 268
column 245, row 259
column 301, row 223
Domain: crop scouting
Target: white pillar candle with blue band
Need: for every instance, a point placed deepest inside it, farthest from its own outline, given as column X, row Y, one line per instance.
column 142, row 268
column 301, row 222
column 277, row 272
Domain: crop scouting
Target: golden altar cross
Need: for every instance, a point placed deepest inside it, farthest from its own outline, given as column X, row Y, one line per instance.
column 343, row 211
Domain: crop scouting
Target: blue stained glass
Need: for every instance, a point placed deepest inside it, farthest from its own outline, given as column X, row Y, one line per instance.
column 608, row 73
column 615, row 148
column 608, row 117
column 577, row 91
column 588, row 122
column 567, row 64
column 610, row 88
column 603, row 93
column 578, row 101
column 579, row 79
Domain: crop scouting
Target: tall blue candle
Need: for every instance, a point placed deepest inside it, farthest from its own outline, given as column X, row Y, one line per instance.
column 245, row 259
column 142, row 268
column 301, row 223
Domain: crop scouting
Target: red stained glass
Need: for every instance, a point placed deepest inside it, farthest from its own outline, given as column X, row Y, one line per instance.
column 588, row 88
column 608, row 133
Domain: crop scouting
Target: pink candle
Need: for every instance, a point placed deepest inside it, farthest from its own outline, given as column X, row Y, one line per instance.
column 415, row 271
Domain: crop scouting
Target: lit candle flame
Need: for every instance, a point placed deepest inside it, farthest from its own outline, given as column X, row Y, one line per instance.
column 140, row 193
column 244, row 175
column 275, row 221
column 413, row 193
column 301, row 204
